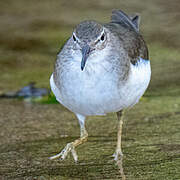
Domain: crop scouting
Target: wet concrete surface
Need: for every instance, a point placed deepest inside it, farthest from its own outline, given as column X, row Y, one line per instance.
column 30, row 133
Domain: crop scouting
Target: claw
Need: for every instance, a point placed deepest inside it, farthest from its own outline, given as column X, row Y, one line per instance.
column 63, row 154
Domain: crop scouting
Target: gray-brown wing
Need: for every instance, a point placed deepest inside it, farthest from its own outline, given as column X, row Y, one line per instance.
column 127, row 28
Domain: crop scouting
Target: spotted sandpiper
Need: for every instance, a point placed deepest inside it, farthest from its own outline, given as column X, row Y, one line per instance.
column 102, row 68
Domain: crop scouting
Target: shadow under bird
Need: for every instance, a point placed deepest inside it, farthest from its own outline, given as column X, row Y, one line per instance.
column 102, row 68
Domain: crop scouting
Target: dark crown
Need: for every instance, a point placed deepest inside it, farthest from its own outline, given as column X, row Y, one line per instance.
column 88, row 30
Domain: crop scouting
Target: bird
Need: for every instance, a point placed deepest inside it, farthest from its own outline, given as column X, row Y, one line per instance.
column 102, row 68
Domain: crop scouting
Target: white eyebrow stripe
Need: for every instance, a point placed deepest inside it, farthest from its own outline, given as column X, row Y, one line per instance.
column 76, row 37
column 99, row 37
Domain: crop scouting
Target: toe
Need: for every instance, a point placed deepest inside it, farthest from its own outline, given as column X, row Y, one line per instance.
column 63, row 154
column 74, row 154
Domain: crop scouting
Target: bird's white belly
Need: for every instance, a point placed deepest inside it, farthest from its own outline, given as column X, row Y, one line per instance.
column 99, row 93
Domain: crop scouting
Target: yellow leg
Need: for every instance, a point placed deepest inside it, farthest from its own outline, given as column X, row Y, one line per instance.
column 71, row 146
column 118, row 154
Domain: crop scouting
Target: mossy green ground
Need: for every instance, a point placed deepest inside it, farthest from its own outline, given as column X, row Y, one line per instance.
column 31, row 33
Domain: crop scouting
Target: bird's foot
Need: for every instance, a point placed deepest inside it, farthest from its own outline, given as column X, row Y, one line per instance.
column 71, row 147
column 118, row 155
column 63, row 154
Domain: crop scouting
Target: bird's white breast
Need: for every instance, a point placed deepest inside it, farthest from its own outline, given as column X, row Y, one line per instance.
column 96, row 91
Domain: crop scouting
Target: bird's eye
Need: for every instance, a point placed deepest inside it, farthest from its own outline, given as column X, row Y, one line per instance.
column 74, row 38
column 102, row 37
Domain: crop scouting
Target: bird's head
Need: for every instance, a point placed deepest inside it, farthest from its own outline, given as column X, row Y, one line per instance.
column 88, row 37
